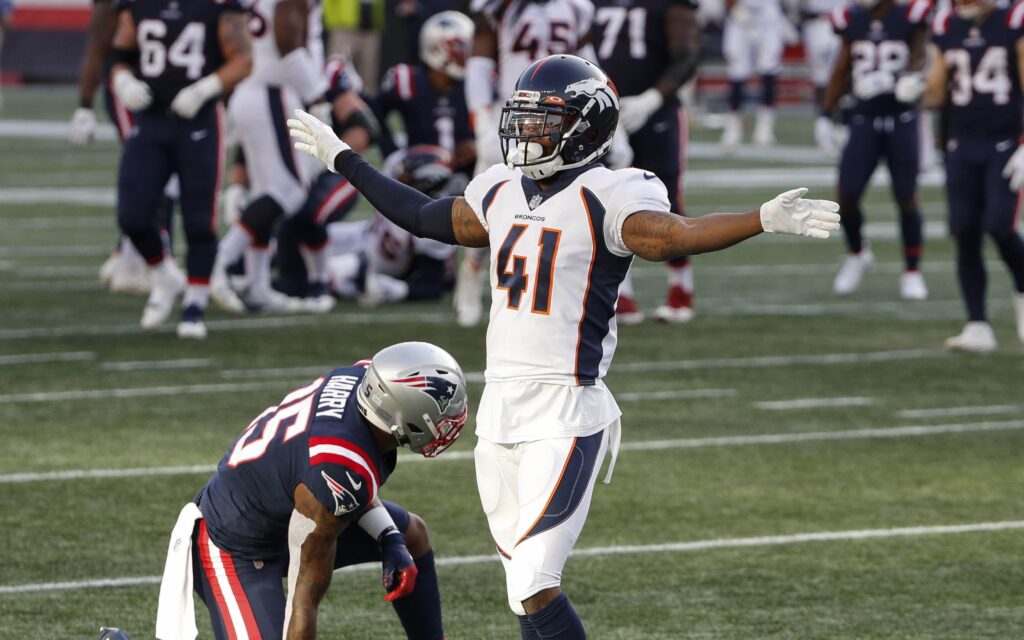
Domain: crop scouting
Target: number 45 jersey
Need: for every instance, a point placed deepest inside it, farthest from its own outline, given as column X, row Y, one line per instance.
column 984, row 81
column 178, row 42
column 315, row 436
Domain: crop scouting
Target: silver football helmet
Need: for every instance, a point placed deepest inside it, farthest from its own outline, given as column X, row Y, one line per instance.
column 416, row 392
column 445, row 42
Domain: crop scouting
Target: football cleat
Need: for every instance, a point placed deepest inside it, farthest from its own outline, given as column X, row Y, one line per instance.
column 223, row 294
column 852, row 271
column 912, row 286
column 678, row 307
column 626, row 311
column 108, row 267
column 1018, row 307
column 192, row 326
column 130, row 277
column 168, row 282
column 976, row 337
column 267, row 300
column 318, row 299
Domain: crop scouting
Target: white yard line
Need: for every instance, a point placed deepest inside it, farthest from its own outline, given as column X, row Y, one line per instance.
column 680, row 394
column 35, row 358
column 948, row 412
column 782, row 361
column 813, row 403
column 49, row 130
column 136, row 392
column 647, row 445
column 590, row 552
column 78, row 196
column 56, row 250
column 156, row 365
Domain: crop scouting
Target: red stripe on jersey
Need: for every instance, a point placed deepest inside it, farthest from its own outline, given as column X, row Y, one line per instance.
column 840, row 17
column 363, row 363
column 348, row 446
column 586, row 294
column 941, row 23
column 342, row 193
column 918, row 10
column 1015, row 19
column 403, row 82
column 348, row 463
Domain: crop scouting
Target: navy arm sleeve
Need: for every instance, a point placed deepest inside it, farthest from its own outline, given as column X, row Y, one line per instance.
column 411, row 210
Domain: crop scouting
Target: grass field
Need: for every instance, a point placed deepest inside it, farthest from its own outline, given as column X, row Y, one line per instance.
column 779, row 413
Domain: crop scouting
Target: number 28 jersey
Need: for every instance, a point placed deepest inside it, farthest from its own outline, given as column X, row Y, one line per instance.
column 178, row 42
column 984, row 82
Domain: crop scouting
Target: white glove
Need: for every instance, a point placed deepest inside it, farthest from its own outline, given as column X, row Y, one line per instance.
column 83, row 127
column 909, row 87
column 233, row 203
column 620, row 154
column 316, row 138
column 873, row 83
column 825, row 136
column 634, row 111
column 191, row 99
column 791, row 213
column 131, row 91
column 1014, row 169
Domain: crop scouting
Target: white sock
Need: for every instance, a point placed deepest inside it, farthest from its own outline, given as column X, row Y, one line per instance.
column 129, row 254
column 681, row 277
column 342, row 272
column 316, row 263
column 257, row 267
column 196, row 294
column 233, row 245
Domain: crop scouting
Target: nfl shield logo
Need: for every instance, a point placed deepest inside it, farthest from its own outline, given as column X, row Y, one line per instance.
column 535, row 201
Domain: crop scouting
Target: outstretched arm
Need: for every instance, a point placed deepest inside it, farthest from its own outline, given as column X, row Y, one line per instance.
column 448, row 220
column 659, row 235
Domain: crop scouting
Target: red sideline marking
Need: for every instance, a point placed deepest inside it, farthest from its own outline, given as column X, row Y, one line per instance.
column 51, row 18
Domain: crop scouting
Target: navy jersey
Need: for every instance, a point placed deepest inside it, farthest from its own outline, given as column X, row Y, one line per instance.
column 629, row 36
column 880, row 44
column 178, row 42
column 984, row 80
column 430, row 117
column 316, row 436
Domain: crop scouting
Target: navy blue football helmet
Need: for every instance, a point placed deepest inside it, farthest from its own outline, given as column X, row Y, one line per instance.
column 424, row 167
column 561, row 115
column 113, row 633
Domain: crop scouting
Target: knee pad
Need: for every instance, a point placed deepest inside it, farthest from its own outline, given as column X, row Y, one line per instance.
column 526, row 572
column 259, row 218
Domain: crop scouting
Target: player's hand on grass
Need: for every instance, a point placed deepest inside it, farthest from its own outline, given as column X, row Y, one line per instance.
column 399, row 568
column 791, row 213
column 316, row 138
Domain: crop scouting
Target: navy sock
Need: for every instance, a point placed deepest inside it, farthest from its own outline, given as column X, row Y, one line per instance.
column 526, row 630
column 971, row 271
column 420, row 611
column 558, row 621
column 911, row 229
column 735, row 95
column 852, row 220
column 768, row 91
column 1011, row 249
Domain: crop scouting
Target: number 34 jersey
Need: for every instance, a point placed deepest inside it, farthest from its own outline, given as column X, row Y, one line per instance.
column 315, row 436
column 178, row 42
column 984, row 82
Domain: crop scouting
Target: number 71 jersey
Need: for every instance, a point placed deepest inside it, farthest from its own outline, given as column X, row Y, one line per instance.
column 557, row 260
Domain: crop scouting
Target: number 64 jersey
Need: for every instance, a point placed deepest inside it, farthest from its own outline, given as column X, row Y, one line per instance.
column 557, row 259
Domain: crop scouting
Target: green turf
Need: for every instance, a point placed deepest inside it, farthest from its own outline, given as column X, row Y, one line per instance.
column 770, row 297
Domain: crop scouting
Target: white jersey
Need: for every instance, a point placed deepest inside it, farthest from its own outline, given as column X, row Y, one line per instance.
column 394, row 248
column 529, row 31
column 761, row 9
column 555, row 272
column 266, row 59
column 821, row 7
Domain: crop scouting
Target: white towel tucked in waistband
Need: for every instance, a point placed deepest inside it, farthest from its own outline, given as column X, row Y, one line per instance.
column 176, row 613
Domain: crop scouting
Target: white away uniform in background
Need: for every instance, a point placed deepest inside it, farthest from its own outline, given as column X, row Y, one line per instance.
column 557, row 259
column 754, row 38
column 262, row 103
column 821, row 44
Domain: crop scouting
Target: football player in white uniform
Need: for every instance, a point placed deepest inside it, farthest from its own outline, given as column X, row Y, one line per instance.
column 754, row 37
column 563, row 230
column 509, row 36
column 287, row 73
column 821, row 46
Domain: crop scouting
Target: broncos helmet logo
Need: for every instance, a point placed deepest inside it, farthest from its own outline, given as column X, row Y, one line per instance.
column 597, row 89
column 440, row 389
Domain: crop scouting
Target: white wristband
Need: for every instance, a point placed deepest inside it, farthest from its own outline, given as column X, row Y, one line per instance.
column 376, row 522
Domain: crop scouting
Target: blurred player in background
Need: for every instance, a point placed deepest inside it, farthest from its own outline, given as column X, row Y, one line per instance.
column 882, row 58
column 125, row 270
column 431, row 99
column 546, row 418
column 172, row 65
column 651, row 48
column 821, row 46
column 509, row 36
column 754, row 37
column 6, row 8
column 979, row 75
column 287, row 73
column 377, row 261
column 280, row 505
